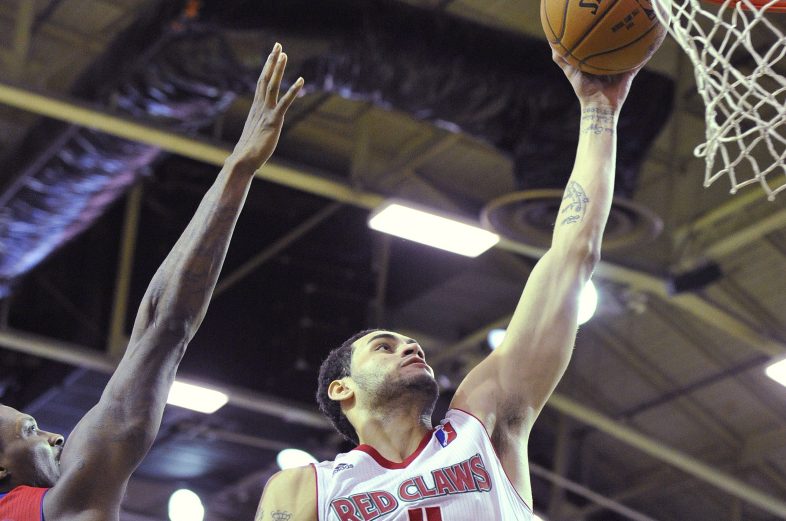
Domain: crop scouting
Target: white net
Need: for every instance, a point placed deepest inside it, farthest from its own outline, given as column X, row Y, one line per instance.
column 737, row 50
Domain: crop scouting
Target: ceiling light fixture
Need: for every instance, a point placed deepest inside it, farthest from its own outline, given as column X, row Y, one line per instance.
column 777, row 371
column 495, row 338
column 185, row 505
column 588, row 302
column 431, row 228
column 196, row 398
column 290, row 458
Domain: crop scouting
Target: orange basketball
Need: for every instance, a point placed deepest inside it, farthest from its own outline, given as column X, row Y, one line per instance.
column 602, row 36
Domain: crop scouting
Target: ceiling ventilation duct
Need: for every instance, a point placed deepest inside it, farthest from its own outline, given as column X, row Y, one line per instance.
column 499, row 87
column 184, row 83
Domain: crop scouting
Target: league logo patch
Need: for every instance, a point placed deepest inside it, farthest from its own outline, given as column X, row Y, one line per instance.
column 342, row 466
column 445, row 434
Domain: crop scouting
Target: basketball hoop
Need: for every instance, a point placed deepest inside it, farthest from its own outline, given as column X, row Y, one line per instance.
column 739, row 58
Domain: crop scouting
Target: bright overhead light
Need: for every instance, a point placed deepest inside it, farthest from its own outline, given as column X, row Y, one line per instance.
column 185, row 505
column 777, row 371
column 290, row 458
column 196, row 398
column 432, row 229
column 588, row 302
column 495, row 338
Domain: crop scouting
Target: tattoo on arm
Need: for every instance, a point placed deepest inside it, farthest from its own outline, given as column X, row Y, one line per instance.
column 597, row 120
column 574, row 203
column 281, row 515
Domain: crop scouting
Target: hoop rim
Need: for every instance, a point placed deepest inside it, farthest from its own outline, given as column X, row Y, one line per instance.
column 777, row 7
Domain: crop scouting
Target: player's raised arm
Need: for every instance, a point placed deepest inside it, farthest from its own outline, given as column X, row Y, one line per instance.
column 509, row 388
column 111, row 440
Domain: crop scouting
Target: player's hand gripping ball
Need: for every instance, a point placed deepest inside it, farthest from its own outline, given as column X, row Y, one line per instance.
column 602, row 36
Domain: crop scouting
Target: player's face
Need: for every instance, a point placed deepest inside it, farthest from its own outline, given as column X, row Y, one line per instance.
column 29, row 455
column 388, row 365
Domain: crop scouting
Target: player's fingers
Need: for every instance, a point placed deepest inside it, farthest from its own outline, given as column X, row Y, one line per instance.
column 273, row 86
column 289, row 97
column 267, row 70
column 632, row 74
column 557, row 58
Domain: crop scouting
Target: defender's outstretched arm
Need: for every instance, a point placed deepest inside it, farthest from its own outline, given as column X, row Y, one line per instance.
column 113, row 437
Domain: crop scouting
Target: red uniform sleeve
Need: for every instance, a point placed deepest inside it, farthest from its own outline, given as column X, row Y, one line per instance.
column 23, row 504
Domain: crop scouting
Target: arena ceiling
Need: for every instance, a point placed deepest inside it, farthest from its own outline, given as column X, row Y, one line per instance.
column 665, row 412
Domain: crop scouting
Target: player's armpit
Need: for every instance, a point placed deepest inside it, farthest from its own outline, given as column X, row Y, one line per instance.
column 290, row 495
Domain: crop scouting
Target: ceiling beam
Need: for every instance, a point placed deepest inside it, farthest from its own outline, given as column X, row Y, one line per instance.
column 320, row 184
column 279, row 245
column 23, row 31
column 654, row 482
column 82, row 114
column 744, row 236
column 580, row 490
column 697, row 306
column 117, row 340
column 757, row 446
column 71, row 354
column 720, row 213
column 661, row 382
column 673, row 457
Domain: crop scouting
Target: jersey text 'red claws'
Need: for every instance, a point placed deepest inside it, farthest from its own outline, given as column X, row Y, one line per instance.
column 462, row 478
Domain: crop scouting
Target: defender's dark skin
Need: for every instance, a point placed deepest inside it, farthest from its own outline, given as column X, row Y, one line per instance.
column 88, row 473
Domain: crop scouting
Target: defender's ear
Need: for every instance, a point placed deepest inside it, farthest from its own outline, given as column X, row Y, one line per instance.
column 3, row 473
column 339, row 391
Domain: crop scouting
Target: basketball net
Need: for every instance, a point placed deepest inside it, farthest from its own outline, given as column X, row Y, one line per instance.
column 734, row 49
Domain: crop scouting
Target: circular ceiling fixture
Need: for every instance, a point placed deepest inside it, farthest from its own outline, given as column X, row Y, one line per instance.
column 528, row 217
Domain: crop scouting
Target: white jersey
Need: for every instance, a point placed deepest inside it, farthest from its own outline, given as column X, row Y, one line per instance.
column 454, row 475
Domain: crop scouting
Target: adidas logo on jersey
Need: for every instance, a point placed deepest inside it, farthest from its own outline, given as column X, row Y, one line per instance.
column 342, row 466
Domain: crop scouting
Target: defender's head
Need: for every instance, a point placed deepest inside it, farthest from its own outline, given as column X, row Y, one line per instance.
column 374, row 369
column 28, row 455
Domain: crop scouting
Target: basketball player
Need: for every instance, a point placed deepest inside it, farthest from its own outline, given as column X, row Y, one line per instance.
column 379, row 392
column 45, row 478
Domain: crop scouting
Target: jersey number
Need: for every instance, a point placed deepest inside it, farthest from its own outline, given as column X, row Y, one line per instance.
column 425, row 514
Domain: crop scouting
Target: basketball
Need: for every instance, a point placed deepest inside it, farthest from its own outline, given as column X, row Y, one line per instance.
column 602, row 36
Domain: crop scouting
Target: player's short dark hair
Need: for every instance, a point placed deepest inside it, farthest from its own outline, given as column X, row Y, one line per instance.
column 335, row 367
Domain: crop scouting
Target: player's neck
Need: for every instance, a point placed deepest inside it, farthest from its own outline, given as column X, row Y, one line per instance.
column 394, row 434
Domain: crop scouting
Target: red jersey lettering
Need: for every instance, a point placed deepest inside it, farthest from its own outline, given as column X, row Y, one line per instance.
column 461, row 476
column 385, row 502
column 366, row 507
column 482, row 479
column 423, row 489
column 345, row 509
column 408, row 491
column 442, row 483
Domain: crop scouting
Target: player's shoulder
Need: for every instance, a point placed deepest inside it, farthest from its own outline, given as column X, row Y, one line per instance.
column 293, row 479
column 290, row 494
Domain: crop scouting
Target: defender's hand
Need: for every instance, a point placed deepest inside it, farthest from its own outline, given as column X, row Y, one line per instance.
column 263, row 124
column 609, row 91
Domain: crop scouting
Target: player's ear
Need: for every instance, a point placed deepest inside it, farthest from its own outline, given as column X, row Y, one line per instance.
column 3, row 473
column 338, row 390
